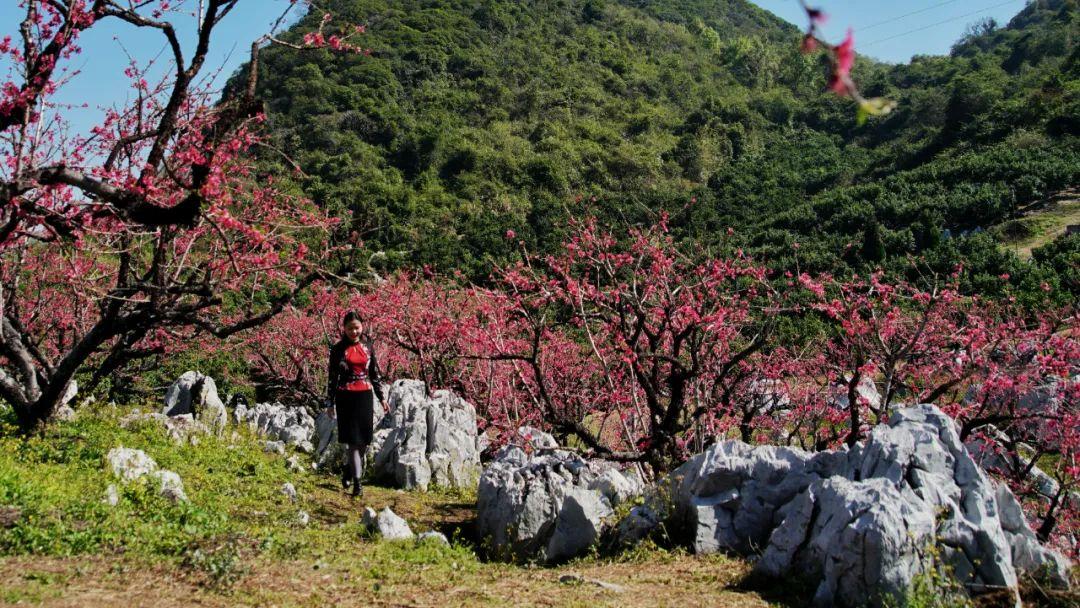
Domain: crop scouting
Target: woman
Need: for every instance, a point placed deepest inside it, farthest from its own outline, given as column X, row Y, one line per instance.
column 353, row 375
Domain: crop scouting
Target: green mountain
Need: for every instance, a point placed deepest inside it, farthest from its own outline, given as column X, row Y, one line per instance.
column 474, row 117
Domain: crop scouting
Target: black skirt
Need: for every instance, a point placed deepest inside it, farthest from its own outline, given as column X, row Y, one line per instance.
column 355, row 416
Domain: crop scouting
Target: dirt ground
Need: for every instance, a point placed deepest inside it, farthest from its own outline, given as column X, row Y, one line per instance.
column 115, row 581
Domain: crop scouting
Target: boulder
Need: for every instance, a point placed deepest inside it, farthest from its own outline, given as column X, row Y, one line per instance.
column 195, row 393
column 70, row 392
column 550, row 507
column 369, row 518
column 169, row 485
column 112, row 495
column 426, row 439
column 293, row 464
column 289, row 490
column 386, row 524
column 537, row 439
column 128, row 465
column 860, row 524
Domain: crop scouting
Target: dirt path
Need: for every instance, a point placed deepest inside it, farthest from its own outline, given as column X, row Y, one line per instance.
column 116, row 581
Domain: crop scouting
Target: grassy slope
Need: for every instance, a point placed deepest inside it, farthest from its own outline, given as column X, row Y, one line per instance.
column 1041, row 223
column 238, row 543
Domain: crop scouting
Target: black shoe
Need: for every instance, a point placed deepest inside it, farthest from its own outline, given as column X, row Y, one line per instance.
column 357, row 487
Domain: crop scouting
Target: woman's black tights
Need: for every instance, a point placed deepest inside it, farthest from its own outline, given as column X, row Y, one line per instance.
column 354, row 460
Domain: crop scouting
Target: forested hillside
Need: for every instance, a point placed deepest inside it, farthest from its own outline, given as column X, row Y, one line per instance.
column 472, row 118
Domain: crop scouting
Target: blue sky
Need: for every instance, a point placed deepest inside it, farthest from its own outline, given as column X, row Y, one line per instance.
column 896, row 30
column 888, row 30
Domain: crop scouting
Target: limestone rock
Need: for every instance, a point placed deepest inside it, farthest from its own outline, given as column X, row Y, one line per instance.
column 289, row 490
column 390, row 526
column 169, row 485
column 182, row 429
column 64, row 413
column 550, row 507
column 112, row 495
column 195, row 393
column 539, row 440
column 293, row 464
column 369, row 518
column 859, row 523
column 70, row 392
column 426, row 439
column 127, row 464
column 293, row 426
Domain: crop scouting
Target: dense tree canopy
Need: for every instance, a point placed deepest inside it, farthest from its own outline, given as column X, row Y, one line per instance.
column 471, row 118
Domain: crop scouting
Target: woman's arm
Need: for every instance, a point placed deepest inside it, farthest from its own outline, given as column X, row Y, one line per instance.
column 332, row 375
column 373, row 372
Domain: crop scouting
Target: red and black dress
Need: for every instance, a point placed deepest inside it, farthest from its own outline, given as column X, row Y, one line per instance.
column 353, row 374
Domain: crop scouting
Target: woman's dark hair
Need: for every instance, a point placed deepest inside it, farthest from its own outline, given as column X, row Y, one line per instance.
column 351, row 316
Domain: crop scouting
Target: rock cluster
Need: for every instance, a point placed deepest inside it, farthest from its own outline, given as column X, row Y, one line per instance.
column 551, row 506
column 426, row 439
column 861, row 524
column 128, row 465
column 290, row 425
column 195, row 393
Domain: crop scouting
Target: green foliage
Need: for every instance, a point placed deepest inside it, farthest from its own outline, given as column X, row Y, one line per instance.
column 472, row 119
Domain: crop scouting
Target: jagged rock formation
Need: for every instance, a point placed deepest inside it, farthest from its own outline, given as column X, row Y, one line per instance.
column 196, row 394
column 426, row 439
column 861, row 524
column 181, row 429
column 549, row 507
column 291, row 425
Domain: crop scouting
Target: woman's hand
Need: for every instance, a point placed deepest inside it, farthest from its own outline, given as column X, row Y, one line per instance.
column 331, row 411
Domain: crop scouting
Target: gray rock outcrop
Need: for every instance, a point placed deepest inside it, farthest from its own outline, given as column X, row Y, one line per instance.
column 291, row 425
column 549, row 507
column 861, row 524
column 195, row 393
column 426, row 439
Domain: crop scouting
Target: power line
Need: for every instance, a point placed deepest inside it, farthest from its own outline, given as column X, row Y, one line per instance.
column 926, row 27
column 906, row 15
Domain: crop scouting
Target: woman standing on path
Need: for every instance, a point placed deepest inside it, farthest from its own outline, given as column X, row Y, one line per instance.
column 352, row 377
